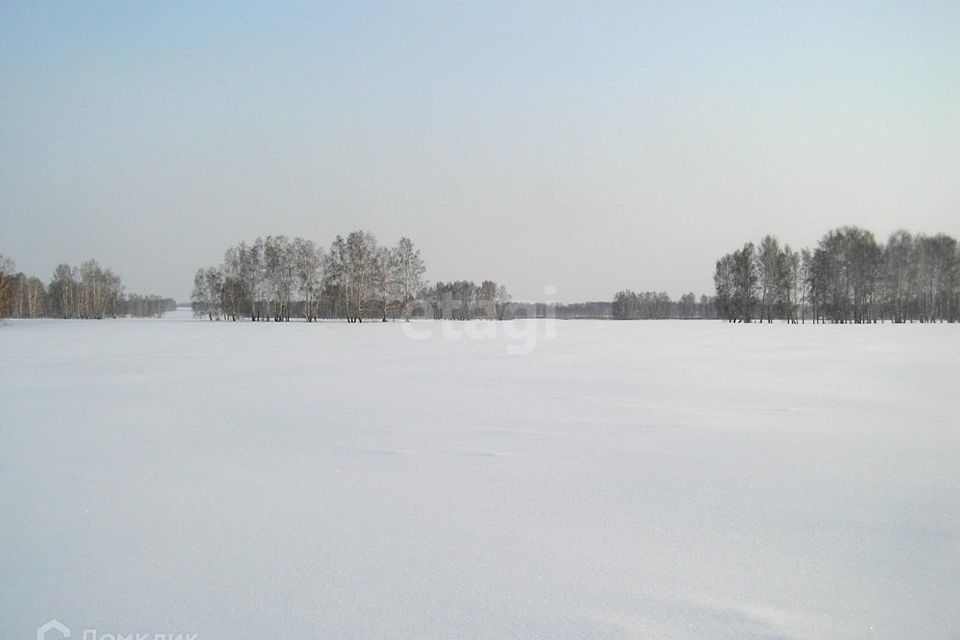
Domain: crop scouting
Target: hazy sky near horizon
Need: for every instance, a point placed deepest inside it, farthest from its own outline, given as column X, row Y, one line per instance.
column 590, row 146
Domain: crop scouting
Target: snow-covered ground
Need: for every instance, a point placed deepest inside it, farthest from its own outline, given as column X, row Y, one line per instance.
column 585, row 480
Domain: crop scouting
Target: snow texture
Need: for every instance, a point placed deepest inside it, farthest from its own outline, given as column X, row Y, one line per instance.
column 582, row 479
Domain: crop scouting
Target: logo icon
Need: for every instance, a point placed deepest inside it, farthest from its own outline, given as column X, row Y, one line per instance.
column 53, row 625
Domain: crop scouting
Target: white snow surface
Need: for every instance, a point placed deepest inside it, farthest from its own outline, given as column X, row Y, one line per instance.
column 661, row 479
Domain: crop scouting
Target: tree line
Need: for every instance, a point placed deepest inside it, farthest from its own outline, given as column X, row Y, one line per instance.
column 466, row 300
column 88, row 291
column 276, row 278
column 653, row 305
column 847, row 278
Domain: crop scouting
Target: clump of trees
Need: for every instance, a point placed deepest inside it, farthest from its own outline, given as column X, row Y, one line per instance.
column 88, row 291
column 847, row 278
column 275, row 278
column 653, row 305
column 356, row 279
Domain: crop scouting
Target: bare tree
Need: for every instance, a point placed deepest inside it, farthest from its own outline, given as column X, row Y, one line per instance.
column 63, row 290
column 308, row 269
column 206, row 296
column 234, row 300
column 334, row 276
column 501, row 301
column 278, row 269
column 359, row 256
column 788, row 284
column 251, row 276
column 745, row 283
column 7, row 269
column 803, row 282
column 385, row 278
column 768, row 256
column 36, row 304
column 410, row 270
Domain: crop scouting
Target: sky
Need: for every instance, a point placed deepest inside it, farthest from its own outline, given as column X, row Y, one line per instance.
column 588, row 147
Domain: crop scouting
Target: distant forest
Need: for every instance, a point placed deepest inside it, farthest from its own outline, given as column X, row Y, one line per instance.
column 847, row 278
column 88, row 292
column 652, row 305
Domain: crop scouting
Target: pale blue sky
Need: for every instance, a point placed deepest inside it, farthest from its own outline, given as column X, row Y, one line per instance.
column 589, row 146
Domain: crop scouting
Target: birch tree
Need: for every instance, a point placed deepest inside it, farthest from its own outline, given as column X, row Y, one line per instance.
column 205, row 299
column 360, row 253
column 410, row 270
column 768, row 256
column 308, row 270
column 384, row 278
column 7, row 269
